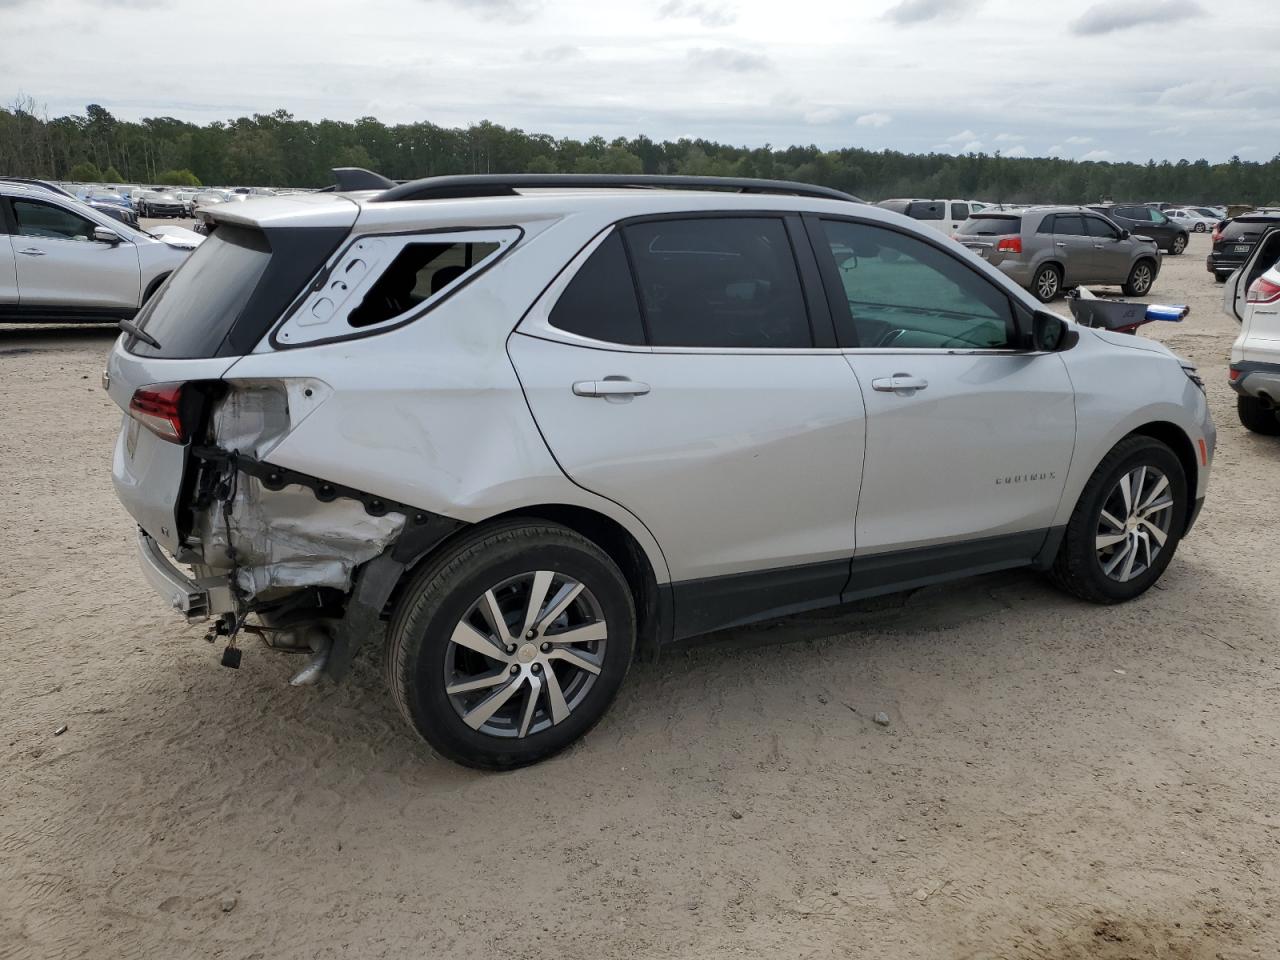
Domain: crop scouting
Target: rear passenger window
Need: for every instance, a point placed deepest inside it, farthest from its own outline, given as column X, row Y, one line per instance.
column 600, row 300
column 719, row 282
column 1069, row 224
column 959, row 211
column 926, row 210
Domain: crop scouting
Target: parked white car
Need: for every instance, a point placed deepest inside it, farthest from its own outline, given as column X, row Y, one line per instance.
column 519, row 432
column 1191, row 219
column 63, row 261
column 945, row 216
column 1252, row 296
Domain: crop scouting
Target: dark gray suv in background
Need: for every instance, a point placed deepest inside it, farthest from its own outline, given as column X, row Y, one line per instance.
column 1048, row 249
column 1146, row 221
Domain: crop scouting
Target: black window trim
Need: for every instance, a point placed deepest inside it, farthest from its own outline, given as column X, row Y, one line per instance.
column 837, row 302
column 6, row 217
column 48, row 202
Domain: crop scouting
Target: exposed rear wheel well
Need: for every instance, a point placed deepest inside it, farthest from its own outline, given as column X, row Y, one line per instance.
column 1173, row 437
column 609, row 535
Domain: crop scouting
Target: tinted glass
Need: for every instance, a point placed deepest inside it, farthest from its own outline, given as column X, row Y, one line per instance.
column 925, row 210
column 1248, row 228
column 1100, row 228
column 959, row 211
column 37, row 219
column 600, row 300
column 1069, row 224
column 897, row 206
column 719, row 282
column 418, row 272
column 1158, row 217
column 989, row 226
column 904, row 293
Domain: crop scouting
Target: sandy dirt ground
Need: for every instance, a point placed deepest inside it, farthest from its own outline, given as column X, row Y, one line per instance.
column 1057, row 781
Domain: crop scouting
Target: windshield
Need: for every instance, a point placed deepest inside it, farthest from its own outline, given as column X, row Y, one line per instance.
column 989, row 226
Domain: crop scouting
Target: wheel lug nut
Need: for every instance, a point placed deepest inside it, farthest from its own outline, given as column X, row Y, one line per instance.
column 511, row 648
column 514, row 669
column 537, row 668
column 531, row 634
column 546, row 648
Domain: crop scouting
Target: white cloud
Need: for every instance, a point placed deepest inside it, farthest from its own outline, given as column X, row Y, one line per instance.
column 874, row 120
column 973, row 146
column 822, row 115
column 726, row 58
column 1123, row 14
column 1098, row 155
column 962, row 135
column 920, row 11
column 1248, row 149
column 1054, row 151
column 1079, row 139
column 1018, row 151
column 1009, row 137
column 707, row 14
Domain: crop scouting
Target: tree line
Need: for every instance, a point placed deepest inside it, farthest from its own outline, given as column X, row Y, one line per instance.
column 275, row 149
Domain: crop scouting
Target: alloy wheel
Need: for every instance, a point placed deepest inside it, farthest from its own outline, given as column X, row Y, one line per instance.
column 1179, row 244
column 1133, row 526
column 1047, row 285
column 1141, row 279
column 525, row 655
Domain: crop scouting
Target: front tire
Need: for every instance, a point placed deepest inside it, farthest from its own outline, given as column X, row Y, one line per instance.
column 1047, row 283
column 1256, row 417
column 1141, row 277
column 511, row 645
column 1126, row 525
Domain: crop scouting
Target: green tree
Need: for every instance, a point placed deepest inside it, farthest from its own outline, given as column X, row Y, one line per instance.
column 178, row 178
column 111, row 175
column 86, row 172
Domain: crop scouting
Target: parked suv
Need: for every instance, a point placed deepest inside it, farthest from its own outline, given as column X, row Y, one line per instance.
column 1047, row 249
column 62, row 260
column 1252, row 296
column 1234, row 240
column 1147, row 221
column 521, row 431
column 945, row 216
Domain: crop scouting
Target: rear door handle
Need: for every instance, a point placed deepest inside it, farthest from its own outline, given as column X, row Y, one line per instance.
column 620, row 387
column 31, row 252
column 899, row 381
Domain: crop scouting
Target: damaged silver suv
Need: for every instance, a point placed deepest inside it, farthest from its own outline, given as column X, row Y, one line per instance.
column 516, row 428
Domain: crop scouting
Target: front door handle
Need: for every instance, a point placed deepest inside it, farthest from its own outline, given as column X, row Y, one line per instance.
column 31, row 252
column 1060, row 243
column 903, row 382
column 610, row 387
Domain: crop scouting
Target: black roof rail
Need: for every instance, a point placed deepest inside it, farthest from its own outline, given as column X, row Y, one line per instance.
column 507, row 184
column 356, row 178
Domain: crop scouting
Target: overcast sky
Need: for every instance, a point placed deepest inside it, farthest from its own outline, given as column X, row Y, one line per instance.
column 1123, row 79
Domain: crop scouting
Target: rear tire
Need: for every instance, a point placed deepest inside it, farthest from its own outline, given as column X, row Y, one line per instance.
column 1178, row 246
column 1092, row 562
column 1200, row 228
column 501, row 695
column 1046, row 285
column 1256, row 417
column 1141, row 277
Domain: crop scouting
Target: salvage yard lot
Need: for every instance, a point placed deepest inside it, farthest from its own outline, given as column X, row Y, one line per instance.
column 1057, row 780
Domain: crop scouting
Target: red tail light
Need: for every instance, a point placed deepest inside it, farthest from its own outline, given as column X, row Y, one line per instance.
column 1009, row 245
column 1263, row 290
column 159, row 409
column 1217, row 233
column 1233, row 374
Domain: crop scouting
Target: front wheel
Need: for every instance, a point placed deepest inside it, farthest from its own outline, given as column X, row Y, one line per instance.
column 1126, row 524
column 1256, row 417
column 1047, row 283
column 1140, row 279
column 1179, row 245
column 1199, row 228
column 511, row 645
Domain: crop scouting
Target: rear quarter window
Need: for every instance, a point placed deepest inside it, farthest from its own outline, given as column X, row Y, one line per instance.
column 926, row 210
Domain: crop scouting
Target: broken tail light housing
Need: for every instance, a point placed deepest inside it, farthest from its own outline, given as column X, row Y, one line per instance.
column 1263, row 290
column 1009, row 245
column 158, row 407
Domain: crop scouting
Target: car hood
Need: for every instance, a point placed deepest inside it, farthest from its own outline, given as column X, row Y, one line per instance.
column 1133, row 341
column 178, row 237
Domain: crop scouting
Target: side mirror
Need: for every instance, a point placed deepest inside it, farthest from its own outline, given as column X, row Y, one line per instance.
column 1049, row 332
column 1125, row 234
column 103, row 235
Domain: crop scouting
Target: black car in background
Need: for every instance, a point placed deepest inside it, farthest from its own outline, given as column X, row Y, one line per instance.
column 1147, row 221
column 1233, row 241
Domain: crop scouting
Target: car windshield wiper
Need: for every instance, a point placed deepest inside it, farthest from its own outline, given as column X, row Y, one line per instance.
column 131, row 328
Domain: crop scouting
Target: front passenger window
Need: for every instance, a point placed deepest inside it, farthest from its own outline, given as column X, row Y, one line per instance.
column 903, row 293
column 1100, row 228
column 36, row 219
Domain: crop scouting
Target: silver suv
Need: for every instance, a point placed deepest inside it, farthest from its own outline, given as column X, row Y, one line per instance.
column 521, row 426
column 1048, row 249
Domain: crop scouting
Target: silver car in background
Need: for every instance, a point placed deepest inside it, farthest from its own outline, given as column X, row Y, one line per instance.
column 1048, row 249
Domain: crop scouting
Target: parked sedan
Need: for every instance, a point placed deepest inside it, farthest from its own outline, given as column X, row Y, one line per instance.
column 62, row 260
column 1192, row 219
column 1047, row 249
column 1147, row 221
column 160, row 203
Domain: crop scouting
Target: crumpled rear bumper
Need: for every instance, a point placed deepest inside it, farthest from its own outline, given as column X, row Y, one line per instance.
column 194, row 599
